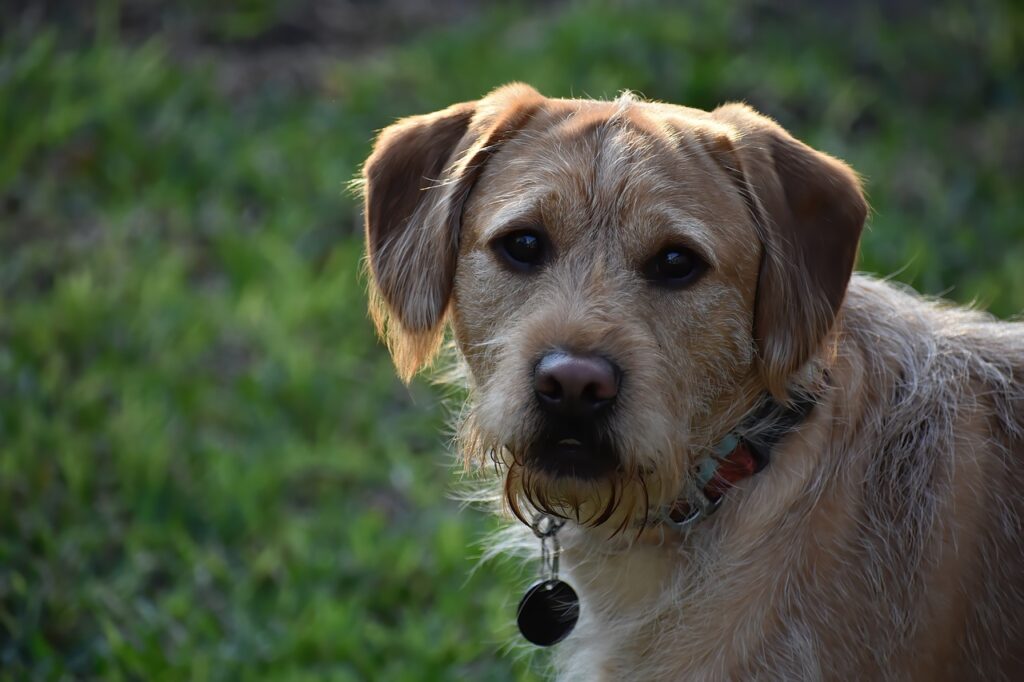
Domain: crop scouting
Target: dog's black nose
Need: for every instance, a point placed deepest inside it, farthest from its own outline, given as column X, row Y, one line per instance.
column 575, row 385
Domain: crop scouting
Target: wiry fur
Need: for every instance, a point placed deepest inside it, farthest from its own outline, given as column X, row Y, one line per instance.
column 884, row 541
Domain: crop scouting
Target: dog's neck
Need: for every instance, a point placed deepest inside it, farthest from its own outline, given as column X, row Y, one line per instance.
column 743, row 452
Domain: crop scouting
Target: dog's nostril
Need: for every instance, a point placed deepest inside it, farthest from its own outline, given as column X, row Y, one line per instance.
column 574, row 384
column 593, row 393
column 547, row 385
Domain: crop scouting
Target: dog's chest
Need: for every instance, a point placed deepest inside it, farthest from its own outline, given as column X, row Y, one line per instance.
column 622, row 596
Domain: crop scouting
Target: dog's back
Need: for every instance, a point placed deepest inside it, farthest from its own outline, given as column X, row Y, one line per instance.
column 940, row 524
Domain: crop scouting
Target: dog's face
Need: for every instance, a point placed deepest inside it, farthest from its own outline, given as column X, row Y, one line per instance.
column 623, row 279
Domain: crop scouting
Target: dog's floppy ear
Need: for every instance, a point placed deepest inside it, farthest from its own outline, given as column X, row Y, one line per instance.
column 416, row 181
column 810, row 211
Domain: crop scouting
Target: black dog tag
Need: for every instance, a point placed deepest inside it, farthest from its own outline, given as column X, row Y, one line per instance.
column 548, row 612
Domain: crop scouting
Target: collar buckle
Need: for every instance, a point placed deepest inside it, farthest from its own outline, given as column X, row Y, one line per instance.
column 691, row 508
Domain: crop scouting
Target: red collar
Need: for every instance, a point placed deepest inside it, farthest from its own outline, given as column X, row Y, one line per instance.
column 739, row 464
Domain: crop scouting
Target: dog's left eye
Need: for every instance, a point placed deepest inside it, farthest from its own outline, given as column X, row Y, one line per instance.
column 523, row 250
column 674, row 267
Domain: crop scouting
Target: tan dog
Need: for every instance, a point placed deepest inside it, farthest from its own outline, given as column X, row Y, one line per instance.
column 646, row 295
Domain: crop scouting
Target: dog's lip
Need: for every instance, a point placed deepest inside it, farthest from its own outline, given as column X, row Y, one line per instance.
column 576, row 455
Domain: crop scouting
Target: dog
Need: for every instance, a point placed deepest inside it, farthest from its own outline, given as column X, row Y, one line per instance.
column 768, row 467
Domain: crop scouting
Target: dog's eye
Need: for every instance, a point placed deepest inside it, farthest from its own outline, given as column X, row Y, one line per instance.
column 523, row 250
column 674, row 267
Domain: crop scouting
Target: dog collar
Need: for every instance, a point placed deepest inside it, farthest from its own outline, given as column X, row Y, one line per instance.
column 743, row 452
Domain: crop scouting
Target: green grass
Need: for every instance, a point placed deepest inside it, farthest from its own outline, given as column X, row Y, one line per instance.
column 207, row 469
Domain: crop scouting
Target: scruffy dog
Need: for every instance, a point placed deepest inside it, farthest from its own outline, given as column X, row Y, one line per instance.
column 769, row 468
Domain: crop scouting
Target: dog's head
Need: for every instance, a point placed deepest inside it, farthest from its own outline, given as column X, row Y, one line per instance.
column 623, row 279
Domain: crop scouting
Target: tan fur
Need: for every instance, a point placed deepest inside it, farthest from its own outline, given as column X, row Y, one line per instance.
column 883, row 542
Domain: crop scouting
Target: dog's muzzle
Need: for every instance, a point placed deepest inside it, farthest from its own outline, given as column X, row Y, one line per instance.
column 575, row 393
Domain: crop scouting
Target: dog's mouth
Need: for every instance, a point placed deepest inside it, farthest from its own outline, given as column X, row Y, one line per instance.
column 572, row 451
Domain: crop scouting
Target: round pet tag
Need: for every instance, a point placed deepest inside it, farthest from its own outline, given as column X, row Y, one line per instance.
column 548, row 612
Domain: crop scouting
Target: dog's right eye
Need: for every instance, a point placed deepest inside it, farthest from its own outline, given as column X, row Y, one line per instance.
column 522, row 250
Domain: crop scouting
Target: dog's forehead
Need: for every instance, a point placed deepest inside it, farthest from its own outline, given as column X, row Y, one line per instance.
column 620, row 168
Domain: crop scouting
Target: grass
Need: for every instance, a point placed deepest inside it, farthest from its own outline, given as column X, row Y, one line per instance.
column 207, row 469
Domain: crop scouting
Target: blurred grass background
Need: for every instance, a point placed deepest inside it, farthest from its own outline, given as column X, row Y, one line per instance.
column 207, row 469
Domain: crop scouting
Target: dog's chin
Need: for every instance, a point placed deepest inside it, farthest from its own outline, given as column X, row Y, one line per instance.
column 576, row 475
